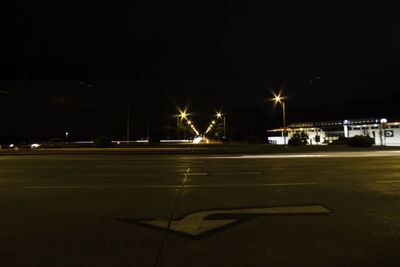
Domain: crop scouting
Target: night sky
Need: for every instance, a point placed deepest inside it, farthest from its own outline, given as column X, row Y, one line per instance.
column 78, row 66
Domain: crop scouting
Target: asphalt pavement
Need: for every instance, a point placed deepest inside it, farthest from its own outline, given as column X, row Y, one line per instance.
column 313, row 209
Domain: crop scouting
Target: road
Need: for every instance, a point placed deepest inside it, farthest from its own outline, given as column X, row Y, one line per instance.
column 325, row 209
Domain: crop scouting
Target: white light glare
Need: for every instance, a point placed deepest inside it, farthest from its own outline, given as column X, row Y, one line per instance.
column 35, row 146
column 197, row 140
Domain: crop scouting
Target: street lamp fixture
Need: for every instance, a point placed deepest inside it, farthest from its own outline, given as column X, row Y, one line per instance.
column 219, row 115
column 183, row 115
column 281, row 100
column 278, row 98
column 66, row 138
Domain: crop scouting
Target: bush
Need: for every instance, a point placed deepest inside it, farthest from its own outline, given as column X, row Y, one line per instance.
column 341, row 141
column 295, row 141
column 299, row 139
column 361, row 141
column 102, row 142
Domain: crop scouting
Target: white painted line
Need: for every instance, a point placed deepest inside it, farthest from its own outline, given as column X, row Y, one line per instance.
column 355, row 154
column 248, row 185
column 51, row 187
column 290, row 184
column 276, row 156
column 237, row 173
column 387, row 182
column 280, row 165
column 105, row 187
column 198, row 174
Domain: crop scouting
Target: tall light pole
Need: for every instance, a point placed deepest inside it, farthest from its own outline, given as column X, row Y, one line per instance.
column 181, row 116
column 177, row 127
column 281, row 100
column 66, row 138
column 219, row 116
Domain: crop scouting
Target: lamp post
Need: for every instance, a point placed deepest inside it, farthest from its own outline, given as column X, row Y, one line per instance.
column 281, row 100
column 219, row 116
column 66, row 138
column 181, row 116
column 177, row 127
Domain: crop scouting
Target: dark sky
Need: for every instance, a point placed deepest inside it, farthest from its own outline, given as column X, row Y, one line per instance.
column 98, row 55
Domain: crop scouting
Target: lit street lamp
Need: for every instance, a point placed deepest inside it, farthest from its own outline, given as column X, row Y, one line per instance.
column 183, row 115
column 219, row 116
column 66, row 138
column 279, row 99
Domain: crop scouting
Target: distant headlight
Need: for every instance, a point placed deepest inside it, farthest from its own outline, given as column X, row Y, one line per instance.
column 35, row 145
column 197, row 140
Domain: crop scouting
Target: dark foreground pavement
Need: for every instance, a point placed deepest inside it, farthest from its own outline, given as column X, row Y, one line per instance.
column 327, row 209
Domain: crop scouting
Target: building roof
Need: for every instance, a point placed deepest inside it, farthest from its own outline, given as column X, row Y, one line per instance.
column 290, row 129
column 335, row 123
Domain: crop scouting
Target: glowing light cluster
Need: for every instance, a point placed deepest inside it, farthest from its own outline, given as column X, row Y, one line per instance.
column 213, row 122
column 184, row 116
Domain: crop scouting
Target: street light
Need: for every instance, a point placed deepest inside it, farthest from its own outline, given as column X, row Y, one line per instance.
column 219, row 116
column 66, row 138
column 181, row 116
column 281, row 100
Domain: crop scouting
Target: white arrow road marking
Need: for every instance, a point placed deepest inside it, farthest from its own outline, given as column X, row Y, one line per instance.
column 202, row 222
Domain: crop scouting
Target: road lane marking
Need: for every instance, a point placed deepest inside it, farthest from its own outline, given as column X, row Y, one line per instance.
column 103, row 187
column 237, row 173
column 388, row 181
column 199, row 224
column 167, row 186
column 392, row 153
column 248, row 185
column 198, row 174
